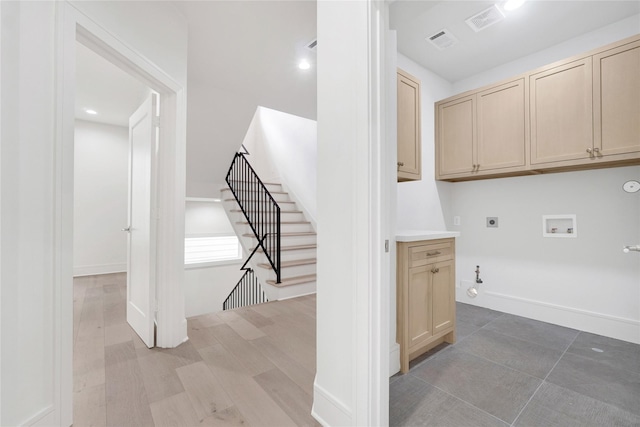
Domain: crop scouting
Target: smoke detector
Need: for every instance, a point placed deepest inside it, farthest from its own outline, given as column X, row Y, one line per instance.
column 485, row 19
column 442, row 39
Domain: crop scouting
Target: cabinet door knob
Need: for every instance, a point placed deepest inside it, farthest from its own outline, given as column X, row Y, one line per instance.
column 596, row 150
column 400, row 163
column 435, row 270
column 589, row 150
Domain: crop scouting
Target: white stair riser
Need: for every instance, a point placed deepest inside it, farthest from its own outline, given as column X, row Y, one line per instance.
column 284, row 228
column 278, row 197
column 297, row 270
column 285, row 216
column 298, row 241
column 232, row 205
column 270, row 187
column 287, row 292
column 296, row 255
column 289, row 241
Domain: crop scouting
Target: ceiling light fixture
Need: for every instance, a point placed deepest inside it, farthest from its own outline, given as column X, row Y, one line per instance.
column 513, row 4
column 89, row 111
column 304, row 64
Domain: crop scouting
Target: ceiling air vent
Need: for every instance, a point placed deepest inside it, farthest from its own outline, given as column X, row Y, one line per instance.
column 442, row 39
column 485, row 19
column 313, row 46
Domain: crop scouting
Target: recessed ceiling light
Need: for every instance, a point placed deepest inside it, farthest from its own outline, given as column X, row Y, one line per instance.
column 90, row 111
column 304, row 64
column 513, row 4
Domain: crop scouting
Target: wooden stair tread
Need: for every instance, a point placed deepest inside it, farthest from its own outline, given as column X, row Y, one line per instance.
column 253, row 191
column 291, row 234
column 253, row 210
column 271, row 222
column 234, row 200
column 293, row 247
column 292, row 263
column 265, row 183
column 296, row 280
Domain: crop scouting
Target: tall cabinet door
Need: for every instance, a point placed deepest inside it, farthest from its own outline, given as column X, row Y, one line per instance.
column 616, row 89
column 502, row 126
column 409, row 129
column 561, row 113
column 443, row 295
column 418, row 303
column 456, row 137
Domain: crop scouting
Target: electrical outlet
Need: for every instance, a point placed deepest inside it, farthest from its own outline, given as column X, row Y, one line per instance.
column 492, row 221
column 456, row 220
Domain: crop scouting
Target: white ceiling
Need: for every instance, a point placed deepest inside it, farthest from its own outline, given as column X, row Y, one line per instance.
column 251, row 48
column 106, row 89
column 535, row 26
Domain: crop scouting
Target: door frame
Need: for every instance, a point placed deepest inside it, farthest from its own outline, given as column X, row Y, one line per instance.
column 74, row 26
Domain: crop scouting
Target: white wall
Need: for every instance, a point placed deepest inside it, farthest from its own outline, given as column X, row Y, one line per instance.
column 27, row 232
column 207, row 286
column 585, row 283
column 100, row 198
column 422, row 204
column 283, row 149
column 36, row 307
column 205, row 217
column 351, row 384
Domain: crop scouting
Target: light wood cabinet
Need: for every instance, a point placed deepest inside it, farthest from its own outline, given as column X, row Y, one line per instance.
column 616, row 89
column 561, row 113
column 502, row 127
column 409, row 128
column 580, row 113
column 425, row 297
column 482, row 133
column 456, row 136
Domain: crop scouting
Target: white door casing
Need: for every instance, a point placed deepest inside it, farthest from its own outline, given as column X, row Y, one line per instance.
column 141, row 259
column 160, row 66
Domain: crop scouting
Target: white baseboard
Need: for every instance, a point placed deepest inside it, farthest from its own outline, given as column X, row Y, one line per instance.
column 394, row 359
column 92, row 270
column 584, row 320
column 327, row 409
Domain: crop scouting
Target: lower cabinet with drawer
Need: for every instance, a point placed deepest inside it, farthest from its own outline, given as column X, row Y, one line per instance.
column 426, row 310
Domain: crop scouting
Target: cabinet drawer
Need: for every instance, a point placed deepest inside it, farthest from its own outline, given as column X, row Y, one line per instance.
column 427, row 254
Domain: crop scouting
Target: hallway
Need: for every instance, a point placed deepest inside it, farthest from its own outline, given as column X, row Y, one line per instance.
column 252, row 366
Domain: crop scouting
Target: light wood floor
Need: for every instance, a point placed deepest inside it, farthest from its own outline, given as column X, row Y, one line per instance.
column 252, row 366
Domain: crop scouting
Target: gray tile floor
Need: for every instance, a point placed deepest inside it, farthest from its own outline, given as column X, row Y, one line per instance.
column 507, row 370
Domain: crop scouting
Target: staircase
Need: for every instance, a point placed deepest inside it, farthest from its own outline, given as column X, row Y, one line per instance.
column 297, row 250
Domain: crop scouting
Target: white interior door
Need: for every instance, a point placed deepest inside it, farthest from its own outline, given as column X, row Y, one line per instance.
column 141, row 262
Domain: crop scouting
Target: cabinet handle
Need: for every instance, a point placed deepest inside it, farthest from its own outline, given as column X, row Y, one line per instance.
column 433, row 253
column 400, row 163
column 596, row 150
column 589, row 150
column 435, row 270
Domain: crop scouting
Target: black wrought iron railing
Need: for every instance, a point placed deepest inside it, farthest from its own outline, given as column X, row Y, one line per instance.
column 247, row 292
column 259, row 208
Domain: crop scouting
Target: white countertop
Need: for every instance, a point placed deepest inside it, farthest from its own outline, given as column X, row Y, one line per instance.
column 418, row 235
